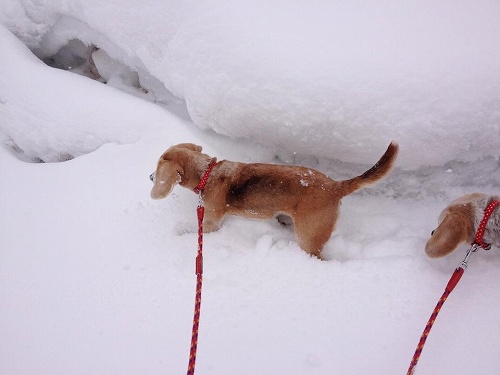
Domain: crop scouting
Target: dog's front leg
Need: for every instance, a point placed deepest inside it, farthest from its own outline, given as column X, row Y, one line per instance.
column 213, row 220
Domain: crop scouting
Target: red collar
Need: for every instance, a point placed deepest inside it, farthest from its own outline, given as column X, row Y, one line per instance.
column 205, row 176
column 482, row 226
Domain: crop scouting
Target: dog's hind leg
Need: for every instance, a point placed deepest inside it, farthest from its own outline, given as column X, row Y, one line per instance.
column 314, row 229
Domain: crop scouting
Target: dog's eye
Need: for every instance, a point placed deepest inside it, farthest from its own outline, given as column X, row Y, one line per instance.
column 152, row 177
column 432, row 233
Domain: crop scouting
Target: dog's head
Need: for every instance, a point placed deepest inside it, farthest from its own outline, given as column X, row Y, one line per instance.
column 170, row 169
column 456, row 225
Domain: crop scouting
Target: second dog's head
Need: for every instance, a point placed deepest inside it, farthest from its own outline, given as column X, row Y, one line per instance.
column 456, row 226
column 171, row 168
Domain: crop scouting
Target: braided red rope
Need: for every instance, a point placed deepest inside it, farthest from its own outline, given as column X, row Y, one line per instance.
column 200, row 211
column 205, row 176
column 455, row 278
column 199, row 283
column 482, row 226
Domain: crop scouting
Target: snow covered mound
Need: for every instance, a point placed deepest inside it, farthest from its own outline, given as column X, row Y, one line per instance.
column 97, row 278
column 336, row 80
column 33, row 99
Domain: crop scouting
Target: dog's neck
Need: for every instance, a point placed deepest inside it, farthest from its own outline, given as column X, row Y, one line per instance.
column 492, row 232
column 195, row 171
column 201, row 185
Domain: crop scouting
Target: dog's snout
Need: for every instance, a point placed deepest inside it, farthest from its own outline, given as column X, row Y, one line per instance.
column 152, row 177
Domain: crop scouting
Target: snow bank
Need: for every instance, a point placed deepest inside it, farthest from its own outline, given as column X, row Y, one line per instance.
column 333, row 80
column 96, row 278
column 32, row 99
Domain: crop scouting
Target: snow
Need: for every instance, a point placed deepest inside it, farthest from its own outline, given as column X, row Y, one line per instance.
column 313, row 78
column 97, row 278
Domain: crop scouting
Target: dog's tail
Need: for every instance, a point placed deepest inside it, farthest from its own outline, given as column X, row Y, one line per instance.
column 375, row 173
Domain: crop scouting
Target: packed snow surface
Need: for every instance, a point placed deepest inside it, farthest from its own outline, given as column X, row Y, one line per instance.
column 96, row 278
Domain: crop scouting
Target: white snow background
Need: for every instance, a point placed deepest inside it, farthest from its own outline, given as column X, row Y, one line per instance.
column 96, row 278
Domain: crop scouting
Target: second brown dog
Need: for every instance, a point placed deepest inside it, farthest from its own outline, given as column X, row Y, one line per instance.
column 262, row 191
column 459, row 222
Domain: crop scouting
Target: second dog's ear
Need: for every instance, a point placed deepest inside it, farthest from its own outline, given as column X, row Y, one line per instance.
column 450, row 233
column 167, row 175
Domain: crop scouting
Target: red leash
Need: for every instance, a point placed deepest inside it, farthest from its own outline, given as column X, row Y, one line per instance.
column 455, row 278
column 199, row 283
column 200, row 211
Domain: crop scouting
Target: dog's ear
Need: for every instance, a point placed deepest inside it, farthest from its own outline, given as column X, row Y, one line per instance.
column 450, row 233
column 167, row 175
column 190, row 146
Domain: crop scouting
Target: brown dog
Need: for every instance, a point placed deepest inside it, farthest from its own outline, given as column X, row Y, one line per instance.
column 459, row 222
column 262, row 191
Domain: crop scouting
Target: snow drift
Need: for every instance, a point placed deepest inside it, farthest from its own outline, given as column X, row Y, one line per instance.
column 95, row 278
column 333, row 80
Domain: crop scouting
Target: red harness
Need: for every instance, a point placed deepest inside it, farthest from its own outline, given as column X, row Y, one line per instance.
column 455, row 278
column 199, row 269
